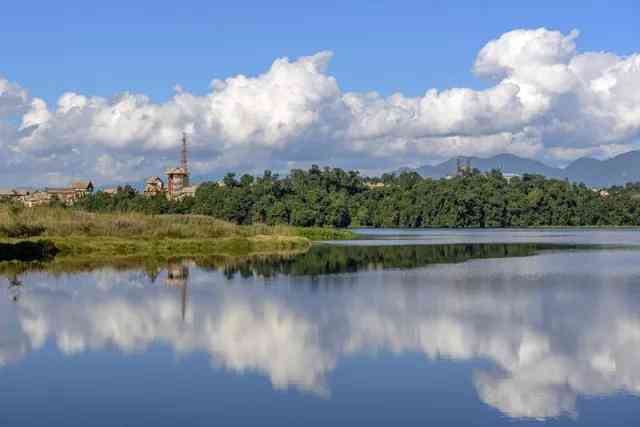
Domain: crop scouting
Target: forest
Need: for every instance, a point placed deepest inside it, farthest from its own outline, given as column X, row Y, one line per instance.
column 332, row 197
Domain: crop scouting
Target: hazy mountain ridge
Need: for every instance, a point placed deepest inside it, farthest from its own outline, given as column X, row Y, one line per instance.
column 617, row 170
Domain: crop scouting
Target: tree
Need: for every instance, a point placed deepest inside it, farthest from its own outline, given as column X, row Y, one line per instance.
column 338, row 198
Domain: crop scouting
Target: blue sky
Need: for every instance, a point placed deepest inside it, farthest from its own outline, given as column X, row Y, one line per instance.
column 387, row 46
column 88, row 89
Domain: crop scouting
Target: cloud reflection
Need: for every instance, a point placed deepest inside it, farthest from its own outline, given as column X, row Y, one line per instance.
column 554, row 326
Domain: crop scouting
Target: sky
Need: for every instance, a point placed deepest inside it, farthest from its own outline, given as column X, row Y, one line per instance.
column 105, row 91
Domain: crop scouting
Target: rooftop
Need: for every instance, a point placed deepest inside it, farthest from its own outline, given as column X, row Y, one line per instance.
column 176, row 171
column 81, row 184
column 59, row 190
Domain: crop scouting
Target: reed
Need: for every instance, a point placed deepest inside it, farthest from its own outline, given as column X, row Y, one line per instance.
column 81, row 233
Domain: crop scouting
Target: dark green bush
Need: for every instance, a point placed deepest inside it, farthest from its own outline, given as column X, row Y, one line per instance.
column 21, row 231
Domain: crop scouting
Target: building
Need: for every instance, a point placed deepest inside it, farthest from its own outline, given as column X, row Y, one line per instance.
column 373, row 185
column 153, row 186
column 65, row 194
column 38, row 198
column 602, row 193
column 31, row 198
column 82, row 188
column 18, row 194
column 178, row 178
column 510, row 176
column 111, row 191
column 189, row 191
column 69, row 195
column 463, row 166
column 178, row 182
column 21, row 193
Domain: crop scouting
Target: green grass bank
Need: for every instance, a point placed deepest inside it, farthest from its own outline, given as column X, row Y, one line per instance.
column 82, row 234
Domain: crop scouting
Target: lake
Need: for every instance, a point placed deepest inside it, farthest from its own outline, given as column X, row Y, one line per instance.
column 412, row 328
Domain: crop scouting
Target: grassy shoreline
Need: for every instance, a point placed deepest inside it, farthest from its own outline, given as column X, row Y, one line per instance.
column 149, row 264
column 81, row 234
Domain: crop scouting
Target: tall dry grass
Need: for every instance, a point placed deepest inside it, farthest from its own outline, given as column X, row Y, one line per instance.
column 59, row 222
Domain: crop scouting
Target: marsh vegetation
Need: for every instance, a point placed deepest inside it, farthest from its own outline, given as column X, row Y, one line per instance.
column 75, row 232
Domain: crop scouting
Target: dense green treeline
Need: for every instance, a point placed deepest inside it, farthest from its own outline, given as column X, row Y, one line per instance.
column 333, row 197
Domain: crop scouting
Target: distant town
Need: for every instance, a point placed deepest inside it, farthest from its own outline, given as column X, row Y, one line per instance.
column 177, row 187
column 178, row 183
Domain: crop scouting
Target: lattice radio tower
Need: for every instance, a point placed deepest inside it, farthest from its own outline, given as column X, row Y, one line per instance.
column 184, row 153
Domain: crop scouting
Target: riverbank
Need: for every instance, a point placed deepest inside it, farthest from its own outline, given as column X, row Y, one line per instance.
column 83, row 234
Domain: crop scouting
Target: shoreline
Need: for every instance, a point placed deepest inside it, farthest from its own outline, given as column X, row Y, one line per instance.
column 75, row 233
column 65, row 255
column 83, row 249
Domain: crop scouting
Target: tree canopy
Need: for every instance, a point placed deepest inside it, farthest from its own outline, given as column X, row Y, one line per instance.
column 337, row 198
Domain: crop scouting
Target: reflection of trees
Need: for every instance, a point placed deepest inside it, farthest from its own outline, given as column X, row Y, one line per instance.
column 27, row 250
column 330, row 259
column 320, row 260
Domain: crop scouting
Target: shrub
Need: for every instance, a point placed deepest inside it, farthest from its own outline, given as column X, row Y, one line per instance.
column 19, row 230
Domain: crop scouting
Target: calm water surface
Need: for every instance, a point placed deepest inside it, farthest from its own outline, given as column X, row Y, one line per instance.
column 439, row 328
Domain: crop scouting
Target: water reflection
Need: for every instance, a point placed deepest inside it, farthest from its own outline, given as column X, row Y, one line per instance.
column 553, row 326
column 330, row 259
column 177, row 277
column 14, row 287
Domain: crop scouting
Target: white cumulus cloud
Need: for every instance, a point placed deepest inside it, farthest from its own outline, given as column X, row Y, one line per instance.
column 547, row 100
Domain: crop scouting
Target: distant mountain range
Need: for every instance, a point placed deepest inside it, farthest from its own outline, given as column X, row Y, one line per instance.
column 617, row 170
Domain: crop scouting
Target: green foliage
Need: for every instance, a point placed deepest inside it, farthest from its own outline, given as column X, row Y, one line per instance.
column 55, row 202
column 14, row 226
column 19, row 230
column 14, row 210
column 337, row 198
